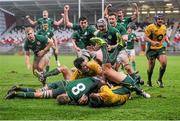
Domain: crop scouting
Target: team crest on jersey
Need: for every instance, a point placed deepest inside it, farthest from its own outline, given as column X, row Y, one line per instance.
column 109, row 37
column 38, row 43
column 160, row 37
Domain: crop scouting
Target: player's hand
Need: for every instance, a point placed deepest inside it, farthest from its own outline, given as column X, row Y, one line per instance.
column 155, row 43
column 109, row 5
column 66, row 7
column 77, row 49
column 135, row 5
column 62, row 14
column 27, row 16
column 110, row 48
column 83, row 100
column 125, row 37
column 41, row 53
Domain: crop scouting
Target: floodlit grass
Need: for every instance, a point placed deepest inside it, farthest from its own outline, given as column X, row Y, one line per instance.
column 164, row 104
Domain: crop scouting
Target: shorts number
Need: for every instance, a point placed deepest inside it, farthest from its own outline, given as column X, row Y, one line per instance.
column 78, row 88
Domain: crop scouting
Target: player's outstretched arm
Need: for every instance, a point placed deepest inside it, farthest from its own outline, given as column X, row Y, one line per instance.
column 136, row 11
column 30, row 20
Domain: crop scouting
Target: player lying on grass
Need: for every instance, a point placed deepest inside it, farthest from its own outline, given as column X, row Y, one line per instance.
column 87, row 67
column 110, row 96
column 77, row 91
column 117, row 94
column 54, row 89
column 84, row 68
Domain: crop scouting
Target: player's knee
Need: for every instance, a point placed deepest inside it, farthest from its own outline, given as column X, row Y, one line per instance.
column 38, row 94
column 63, row 69
column 163, row 65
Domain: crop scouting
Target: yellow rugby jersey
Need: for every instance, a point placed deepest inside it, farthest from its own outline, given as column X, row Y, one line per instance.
column 156, row 33
column 111, row 98
column 94, row 69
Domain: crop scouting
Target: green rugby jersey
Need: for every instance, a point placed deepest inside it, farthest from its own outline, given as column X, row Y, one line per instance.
column 38, row 44
column 84, row 35
column 121, row 29
column 41, row 21
column 48, row 33
column 76, row 89
column 130, row 41
column 125, row 21
column 110, row 36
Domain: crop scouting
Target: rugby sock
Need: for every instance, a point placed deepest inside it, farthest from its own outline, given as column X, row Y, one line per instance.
column 161, row 73
column 133, row 75
column 52, row 73
column 129, row 80
column 27, row 89
column 47, row 68
column 134, row 87
column 56, row 57
column 149, row 75
column 25, row 94
column 134, row 65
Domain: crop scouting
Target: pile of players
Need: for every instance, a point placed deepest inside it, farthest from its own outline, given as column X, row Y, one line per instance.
column 100, row 50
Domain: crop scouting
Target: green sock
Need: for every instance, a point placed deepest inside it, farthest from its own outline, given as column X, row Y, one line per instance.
column 52, row 73
column 134, row 65
column 133, row 75
column 47, row 68
column 130, row 81
column 27, row 90
column 25, row 94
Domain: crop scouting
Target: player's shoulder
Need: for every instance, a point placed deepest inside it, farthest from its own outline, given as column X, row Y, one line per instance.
column 91, row 62
column 152, row 25
column 40, row 19
column 163, row 27
column 113, row 29
column 40, row 37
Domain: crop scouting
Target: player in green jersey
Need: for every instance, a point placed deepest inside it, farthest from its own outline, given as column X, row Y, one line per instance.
column 77, row 91
column 49, row 34
column 44, row 19
column 84, row 31
column 130, row 47
column 126, row 20
column 51, row 90
column 40, row 46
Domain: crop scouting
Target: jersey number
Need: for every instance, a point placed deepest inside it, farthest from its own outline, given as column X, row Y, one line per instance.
column 78, row 88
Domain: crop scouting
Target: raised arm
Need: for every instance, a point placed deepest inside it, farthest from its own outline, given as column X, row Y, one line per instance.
column 30, row 20
column 66, row 18
column 106, row 10
column 57, row 23
column 136, row 11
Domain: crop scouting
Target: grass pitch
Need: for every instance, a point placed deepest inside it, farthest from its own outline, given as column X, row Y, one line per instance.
column 164, row 104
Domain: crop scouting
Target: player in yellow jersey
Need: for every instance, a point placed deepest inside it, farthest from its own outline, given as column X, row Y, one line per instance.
column 84, row 68
column 155, row 36
column 117, row 94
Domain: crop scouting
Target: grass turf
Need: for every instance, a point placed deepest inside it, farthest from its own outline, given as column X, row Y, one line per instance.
column 164, row 104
